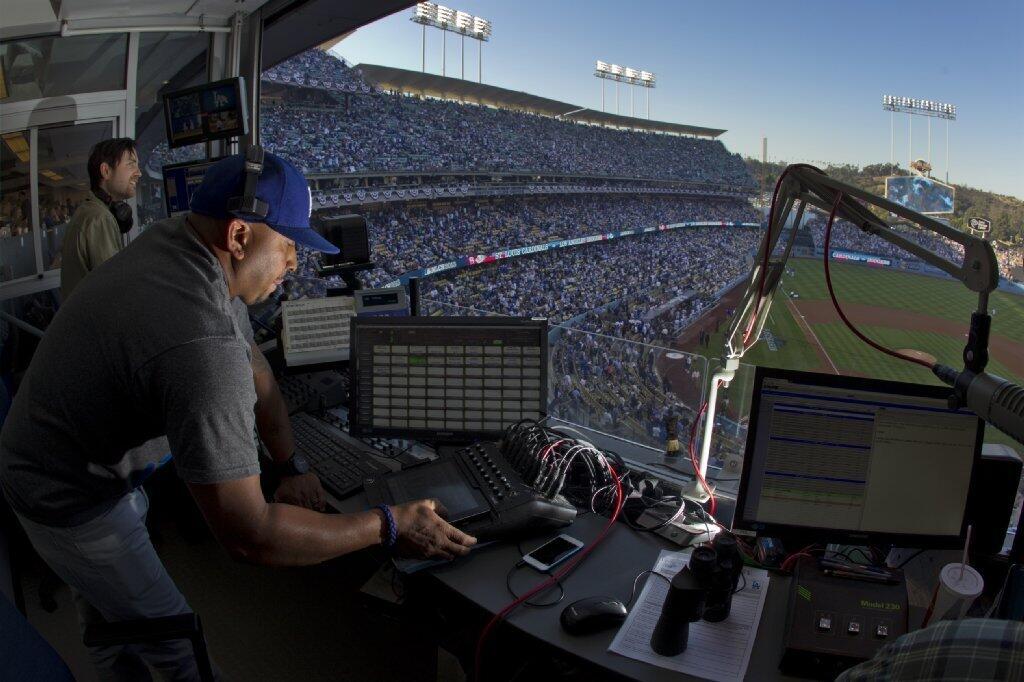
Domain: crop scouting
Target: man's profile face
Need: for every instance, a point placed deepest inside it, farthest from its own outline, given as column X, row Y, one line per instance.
column 124, row 177
column 268, row 256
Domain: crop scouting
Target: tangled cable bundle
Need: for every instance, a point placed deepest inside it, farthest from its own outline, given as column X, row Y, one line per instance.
column 555, row 464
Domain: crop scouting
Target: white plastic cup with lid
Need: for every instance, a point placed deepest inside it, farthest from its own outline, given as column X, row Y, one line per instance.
column 959, row 585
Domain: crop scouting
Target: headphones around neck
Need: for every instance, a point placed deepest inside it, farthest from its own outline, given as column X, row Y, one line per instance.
column 121, row 211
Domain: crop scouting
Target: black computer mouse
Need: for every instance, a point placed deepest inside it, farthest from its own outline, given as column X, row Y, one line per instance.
column 592, row 614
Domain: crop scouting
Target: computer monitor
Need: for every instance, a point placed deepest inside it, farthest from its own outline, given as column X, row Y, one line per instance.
column 446, row 378
column 212, row 111
column 863, row 461
column 349, row 233
column 181, row 180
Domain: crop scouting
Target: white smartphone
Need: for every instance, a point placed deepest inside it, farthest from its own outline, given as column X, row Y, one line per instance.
column 553, row 552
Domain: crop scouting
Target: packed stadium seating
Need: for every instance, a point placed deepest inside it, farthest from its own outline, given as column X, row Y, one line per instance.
column 386, row 132
column 405, row 237
column 1011, row 262
column 318, row 69
column 845, row 235
column 640, row 399
column 674, row 273
column 409, row 237
column 569, row 282
column 607, row 376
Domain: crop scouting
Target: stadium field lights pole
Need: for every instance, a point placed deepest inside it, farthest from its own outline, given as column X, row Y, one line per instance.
column 457, row 21
column 481, row 31
column 632, row 76
column 629, row 76
column 917, row 107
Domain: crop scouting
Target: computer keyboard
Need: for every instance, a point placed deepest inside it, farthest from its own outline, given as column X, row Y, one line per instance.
column 341, row 462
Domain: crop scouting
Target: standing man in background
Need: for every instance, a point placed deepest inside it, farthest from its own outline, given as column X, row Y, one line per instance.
column 95, row 231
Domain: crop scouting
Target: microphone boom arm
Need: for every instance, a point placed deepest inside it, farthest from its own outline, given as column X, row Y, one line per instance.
column 801, row 185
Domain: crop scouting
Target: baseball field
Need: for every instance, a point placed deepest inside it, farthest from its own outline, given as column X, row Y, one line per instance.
column 897, row 309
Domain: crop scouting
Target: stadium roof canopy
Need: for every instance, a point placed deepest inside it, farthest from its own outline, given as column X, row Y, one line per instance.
column 442, row 87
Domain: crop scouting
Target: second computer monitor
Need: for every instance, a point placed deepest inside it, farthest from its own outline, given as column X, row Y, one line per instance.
column 842, row 459
column 447, row 378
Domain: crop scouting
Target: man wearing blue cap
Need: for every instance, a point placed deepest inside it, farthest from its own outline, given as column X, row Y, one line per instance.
column 149, row 345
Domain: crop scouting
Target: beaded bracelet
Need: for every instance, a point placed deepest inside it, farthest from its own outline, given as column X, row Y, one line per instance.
column 392, row 529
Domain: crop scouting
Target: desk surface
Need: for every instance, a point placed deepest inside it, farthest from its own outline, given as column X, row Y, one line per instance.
column 608, row 571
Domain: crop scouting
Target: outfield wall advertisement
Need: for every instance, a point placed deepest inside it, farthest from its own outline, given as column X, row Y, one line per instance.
column 484, row 259
column 858, row 257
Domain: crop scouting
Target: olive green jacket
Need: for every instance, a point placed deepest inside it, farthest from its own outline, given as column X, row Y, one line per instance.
column 91, row 237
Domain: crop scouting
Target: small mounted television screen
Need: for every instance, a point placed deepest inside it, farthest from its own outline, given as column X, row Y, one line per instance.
column 212, row 111
column 181, row 181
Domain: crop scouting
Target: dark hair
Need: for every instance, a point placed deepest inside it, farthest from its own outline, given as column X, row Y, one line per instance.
column 110, row 153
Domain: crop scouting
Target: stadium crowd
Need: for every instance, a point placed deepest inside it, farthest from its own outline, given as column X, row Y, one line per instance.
column 616, row 292
column 564, row 283
column 845, row 235
column 406, row 237
column 387, row 132
column 16, row 214
column 619, row 344
column 1011, row 262
column 318, row 69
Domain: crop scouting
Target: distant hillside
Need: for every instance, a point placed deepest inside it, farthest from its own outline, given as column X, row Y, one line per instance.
column 1005, row 212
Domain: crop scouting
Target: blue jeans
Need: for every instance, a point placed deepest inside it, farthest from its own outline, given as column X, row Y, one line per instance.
column 116, row 575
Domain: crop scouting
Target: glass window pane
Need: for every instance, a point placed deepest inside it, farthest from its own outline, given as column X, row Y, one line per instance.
column 167, row 62
column 64, row 179
column 52, row 66
column 17, row 252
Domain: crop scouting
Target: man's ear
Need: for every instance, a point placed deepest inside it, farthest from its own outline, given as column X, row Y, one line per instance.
column 238, row 236
column 106, row 170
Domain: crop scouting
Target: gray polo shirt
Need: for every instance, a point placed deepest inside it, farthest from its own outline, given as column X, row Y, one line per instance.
column 150, row 344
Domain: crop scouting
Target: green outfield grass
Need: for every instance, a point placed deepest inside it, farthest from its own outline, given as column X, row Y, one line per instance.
column 852, row 356
column 885, row 288
column 940, row 298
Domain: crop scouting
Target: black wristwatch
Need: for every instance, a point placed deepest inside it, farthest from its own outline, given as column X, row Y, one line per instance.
column 296, row 465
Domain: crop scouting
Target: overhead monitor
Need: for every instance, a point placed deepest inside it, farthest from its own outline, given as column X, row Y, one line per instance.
column 446, row 378
column 181, row 181
column 862, row 461
column 212, row 111
column 920, row 194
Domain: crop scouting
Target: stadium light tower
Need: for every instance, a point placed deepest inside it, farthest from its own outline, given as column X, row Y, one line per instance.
column 627, row 75
column 445, row 18
column 632, row 76
column 425, row 14
column 647, row 81
column 917, row 107
column 456, row 21
column 463, row 24
column 482, row 32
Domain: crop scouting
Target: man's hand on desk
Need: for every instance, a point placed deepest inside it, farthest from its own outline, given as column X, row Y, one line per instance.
column 423, row 532
column 303, row 491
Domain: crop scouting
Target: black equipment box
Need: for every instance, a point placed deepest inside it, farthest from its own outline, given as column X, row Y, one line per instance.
column 483, row 494
column 834, row 623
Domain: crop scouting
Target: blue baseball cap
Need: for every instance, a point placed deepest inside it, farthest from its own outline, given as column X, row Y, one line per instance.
column 281, row 185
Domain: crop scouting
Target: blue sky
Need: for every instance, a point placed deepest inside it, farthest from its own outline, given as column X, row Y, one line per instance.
column 808, row 75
